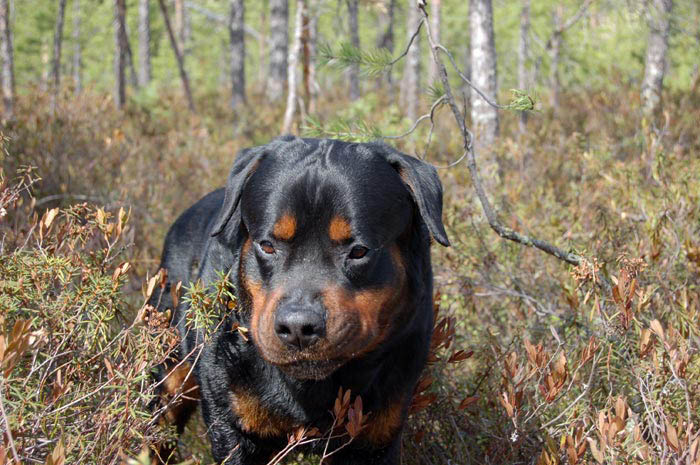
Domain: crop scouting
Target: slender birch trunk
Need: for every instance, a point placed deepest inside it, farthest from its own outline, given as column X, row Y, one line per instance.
column 56, row 58
column 182, row 27
column 6, row 55
column 411, row 78
column 484, row 73
column 293, row 63
column 386, row 40
column 306, row 53
column 145, row 72
column 554, row 57
column 354, row 70
column 263, row 44
column 436, row 27
column 77, row 48
column 659, row 14
column 314, row 89
column 119, row 52
column 279, row 38
column 237, row 44
column 523, row 55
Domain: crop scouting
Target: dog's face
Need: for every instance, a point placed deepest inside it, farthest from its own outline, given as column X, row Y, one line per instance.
column 324, row 232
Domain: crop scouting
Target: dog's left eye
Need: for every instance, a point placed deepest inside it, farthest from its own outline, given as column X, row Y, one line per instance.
column 358, row 252
column 267, row 247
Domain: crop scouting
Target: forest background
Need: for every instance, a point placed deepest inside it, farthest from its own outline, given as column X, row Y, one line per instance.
column 592, row 359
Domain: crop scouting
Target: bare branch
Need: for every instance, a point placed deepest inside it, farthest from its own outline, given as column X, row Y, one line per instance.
column 574, row 19
column 468, row 139
column 220, row 19
column 410, row 42
column 178, row 56
column 419, row 120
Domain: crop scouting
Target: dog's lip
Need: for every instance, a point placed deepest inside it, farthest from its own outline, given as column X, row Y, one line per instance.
column 310, row 369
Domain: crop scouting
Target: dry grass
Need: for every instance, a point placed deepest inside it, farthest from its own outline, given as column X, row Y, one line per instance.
column 596, row 364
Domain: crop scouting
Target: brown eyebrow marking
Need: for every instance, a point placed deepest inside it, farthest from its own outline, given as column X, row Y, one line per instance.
column 339, row 229
column 285, row 227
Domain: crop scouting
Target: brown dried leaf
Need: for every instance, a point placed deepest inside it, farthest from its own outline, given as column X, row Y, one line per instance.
column 467, row 401
column 621, row 408
column 655, row 326
column 672, row 436
column 459, row 356
column 597, row 454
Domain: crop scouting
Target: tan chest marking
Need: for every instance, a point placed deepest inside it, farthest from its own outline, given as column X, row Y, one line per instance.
column 384, row 425
column 256, row 418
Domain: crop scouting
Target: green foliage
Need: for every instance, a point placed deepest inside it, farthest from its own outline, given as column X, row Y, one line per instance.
column 205, row 304
column 76, row 364
column 605, row 44
column 351, row 130
column 371, row 62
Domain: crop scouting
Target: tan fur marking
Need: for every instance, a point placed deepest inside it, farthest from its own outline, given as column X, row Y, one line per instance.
column 383, row 426
column 180, row 379
column 339, row 229
column 285, row 227
column 255, row 418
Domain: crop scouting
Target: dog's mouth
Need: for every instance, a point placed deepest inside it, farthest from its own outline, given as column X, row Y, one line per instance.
column 315, row 370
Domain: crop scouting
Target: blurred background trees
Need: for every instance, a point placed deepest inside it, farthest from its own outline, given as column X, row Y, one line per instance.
column 547, row 46
column 151, row 99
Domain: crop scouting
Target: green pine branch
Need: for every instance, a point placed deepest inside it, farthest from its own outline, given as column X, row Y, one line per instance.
column 371, row 62
column 350, row 130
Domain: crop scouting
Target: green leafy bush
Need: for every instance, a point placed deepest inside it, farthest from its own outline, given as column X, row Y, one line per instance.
column 76, row 363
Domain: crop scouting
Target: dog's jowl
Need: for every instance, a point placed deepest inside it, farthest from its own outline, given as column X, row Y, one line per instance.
column 327, row 245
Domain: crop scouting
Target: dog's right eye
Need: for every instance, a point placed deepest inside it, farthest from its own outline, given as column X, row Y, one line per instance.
column 267, row 247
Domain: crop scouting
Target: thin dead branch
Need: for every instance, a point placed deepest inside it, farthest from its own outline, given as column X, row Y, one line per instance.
column 469, row 153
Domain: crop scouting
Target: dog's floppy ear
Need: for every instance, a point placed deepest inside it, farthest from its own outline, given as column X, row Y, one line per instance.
column 245, row 164
column 425, row 188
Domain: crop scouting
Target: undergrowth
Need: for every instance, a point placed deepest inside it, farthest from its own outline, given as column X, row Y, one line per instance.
column 533, row 361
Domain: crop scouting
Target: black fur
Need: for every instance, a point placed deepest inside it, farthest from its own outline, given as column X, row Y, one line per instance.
column 393, row 202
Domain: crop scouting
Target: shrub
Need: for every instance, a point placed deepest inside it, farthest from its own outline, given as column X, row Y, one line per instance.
column 75, row 383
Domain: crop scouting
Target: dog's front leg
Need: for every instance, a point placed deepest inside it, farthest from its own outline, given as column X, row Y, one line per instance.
column 359, row 455
column 230, row 445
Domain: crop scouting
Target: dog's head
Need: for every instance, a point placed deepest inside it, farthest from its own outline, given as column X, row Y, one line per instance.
column 323, row 230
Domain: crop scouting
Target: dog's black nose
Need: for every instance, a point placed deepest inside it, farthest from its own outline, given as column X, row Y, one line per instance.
column 299, row 327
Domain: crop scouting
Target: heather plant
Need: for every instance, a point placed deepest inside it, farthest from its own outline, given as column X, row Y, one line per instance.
column 75, row 384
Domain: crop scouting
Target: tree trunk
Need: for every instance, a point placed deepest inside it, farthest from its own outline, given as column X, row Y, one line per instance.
column 178, row 56
column 119, row 52
column 555, row 54
column 279, row 37
column 77, row 49
column 237, row 38
column 484, row 74
column 411, row 78
column 263, row 44
column 314, row 12
column 130, row 58
column 386, row 39
column 6, row 56
column 144, row 43
column 293, row 63
column 523, row 54
column 182, row 26
column 354, row 70
column 466, row 90
column 306, row 53
column 436, row 28
column 659, row 13
column 56, row 59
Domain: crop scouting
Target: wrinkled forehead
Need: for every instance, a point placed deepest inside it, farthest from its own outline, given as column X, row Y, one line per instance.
column 344, row 191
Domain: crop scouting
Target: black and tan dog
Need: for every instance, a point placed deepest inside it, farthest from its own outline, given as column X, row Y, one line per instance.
column 328, row 246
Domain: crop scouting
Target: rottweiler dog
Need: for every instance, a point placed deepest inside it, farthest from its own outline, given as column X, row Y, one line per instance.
column 327, row 244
